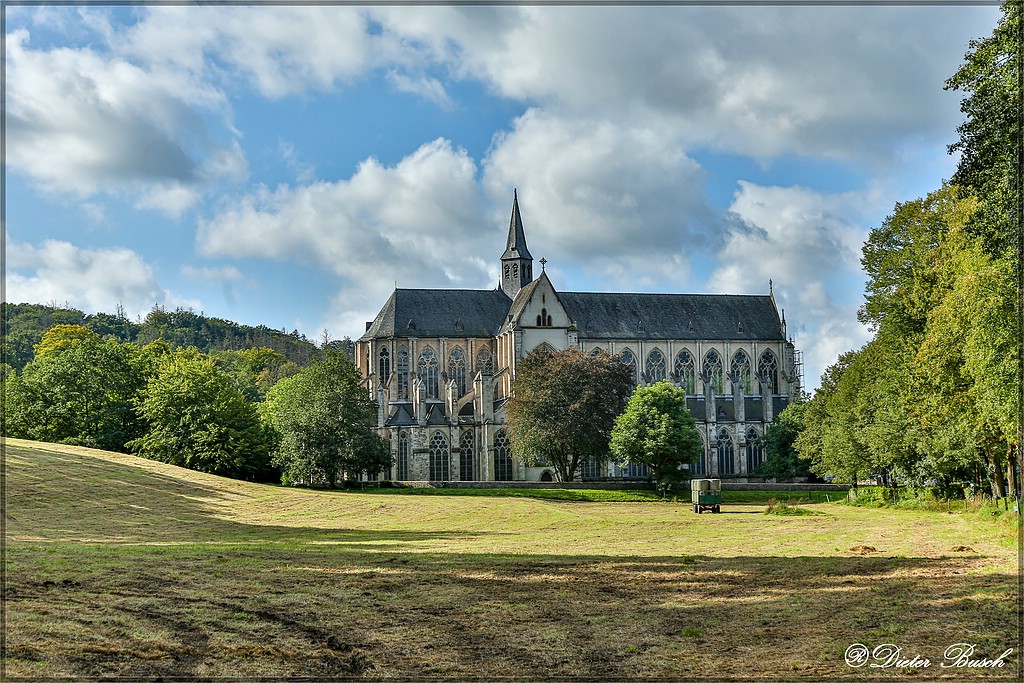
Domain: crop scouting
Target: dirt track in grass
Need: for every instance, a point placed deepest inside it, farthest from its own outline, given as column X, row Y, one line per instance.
column 118, row 566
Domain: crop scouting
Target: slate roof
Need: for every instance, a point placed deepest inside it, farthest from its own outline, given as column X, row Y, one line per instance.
column 600, row 315
column 440, row 313
column 400, row 418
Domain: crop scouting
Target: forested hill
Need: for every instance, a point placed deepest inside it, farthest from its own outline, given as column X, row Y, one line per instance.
column 24, row 325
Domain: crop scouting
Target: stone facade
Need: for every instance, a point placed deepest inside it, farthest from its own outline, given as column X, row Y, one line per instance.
column 441, row 365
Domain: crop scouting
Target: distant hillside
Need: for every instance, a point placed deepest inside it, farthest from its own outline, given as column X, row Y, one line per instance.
column 24, row 325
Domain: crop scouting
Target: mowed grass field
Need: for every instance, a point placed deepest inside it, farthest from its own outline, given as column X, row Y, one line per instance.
column 119, row 566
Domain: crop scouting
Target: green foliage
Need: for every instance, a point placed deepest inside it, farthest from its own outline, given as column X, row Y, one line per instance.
column 199, row 419
column 989, row 138
column 27, row 323
column 656, row 429
column 327, row 424
column 79, row 390
column 564, row 406
column 782, row 461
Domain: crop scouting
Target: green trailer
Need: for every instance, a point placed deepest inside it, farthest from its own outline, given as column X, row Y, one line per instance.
column 706, row 494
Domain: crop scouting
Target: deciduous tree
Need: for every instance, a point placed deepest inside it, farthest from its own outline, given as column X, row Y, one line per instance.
column 197, row 418
column 564, row 406
column 327, row 424
column 657, row 429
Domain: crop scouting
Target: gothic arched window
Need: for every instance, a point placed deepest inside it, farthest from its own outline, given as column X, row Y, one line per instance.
column 655, row 366
column 725, row 452
column 628, row 358
column 384, row 366
column 755, row 450
column 402, row 368
column 502, row 457
column 741, row 366
column 713, row 370
column 426, row 367
column 543, row 319
column 467, row 453
column 768, row 370
column 439, row 457
column 483, row 362
column 403, row 455
column 685, row 371
column 457, row 370
column 700, row 468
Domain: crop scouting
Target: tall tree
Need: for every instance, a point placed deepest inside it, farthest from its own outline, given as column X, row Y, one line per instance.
column 198, row 418
column 327, row 424
column 657, row 429
column 989, row 142
column 564, row 406
column 782, row 461
column 79, row 389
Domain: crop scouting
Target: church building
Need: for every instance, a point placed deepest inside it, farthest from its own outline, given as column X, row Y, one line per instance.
column 442, row 362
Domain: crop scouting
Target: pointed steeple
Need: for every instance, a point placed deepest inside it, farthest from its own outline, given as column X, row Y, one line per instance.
column 516, row 245
column 516, row 262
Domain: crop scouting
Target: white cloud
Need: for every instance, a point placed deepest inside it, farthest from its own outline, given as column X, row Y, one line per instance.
column 172, row 200
column 90, row 279
column 282, row 51
column 621, row 201
column 424, row 86
column 82, row 121
column 808, row 244
column 834, row 82
column 417, row 222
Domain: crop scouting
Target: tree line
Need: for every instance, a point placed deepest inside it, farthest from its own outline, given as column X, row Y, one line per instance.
column 249, row 414
column 934, row 397
column 25, row 324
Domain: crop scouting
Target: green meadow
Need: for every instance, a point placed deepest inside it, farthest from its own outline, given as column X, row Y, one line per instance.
column 120, row 566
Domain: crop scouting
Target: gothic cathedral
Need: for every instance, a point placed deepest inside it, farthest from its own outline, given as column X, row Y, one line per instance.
column 441, row 363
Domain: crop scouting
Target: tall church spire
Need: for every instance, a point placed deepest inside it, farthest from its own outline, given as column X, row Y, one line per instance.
column 516, row 262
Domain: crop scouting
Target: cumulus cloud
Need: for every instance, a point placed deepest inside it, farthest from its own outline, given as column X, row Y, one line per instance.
column 418, row 221
column 839, row 82
column 610, row 196
column 808, row 244
column 82, row 121
column 90, row 279
column 280, row 50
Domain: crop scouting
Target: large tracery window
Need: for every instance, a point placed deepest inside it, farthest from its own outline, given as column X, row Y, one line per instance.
column 628, row 358
column 403, row 455
column 439, row 457
column 467, row 453
column 457, row 370
column 502, row 457
column 713, row 371
column 426, row 366
column 741, row 366
column 655, row 366
column 685, row 372
column 384, row 366
column 755, row 450
column 483, row 362
column 725, row 452
column 768, row 371
column 402, row 368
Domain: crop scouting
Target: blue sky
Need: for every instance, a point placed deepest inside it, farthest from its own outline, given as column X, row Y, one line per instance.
column 287, row 166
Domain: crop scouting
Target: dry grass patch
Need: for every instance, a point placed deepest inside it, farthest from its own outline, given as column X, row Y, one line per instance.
column 122, row 567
